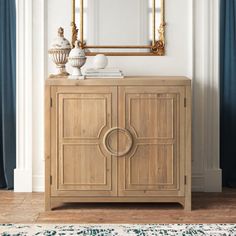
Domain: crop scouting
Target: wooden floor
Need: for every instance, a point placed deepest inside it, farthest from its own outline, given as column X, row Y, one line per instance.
column 29, row 208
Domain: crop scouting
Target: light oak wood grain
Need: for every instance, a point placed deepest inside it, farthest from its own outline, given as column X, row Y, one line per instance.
column 47, row 146
column 81, row 166
column 155, row 166
column 127, row 81
column 113, row 140
column 188, row 148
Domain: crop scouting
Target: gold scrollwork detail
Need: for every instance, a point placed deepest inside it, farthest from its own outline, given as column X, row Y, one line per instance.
column 74, row 34
column 161, row 32
column 159, row 47
column 82, row 44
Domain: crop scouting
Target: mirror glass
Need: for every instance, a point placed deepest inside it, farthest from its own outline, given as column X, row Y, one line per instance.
column 118, row 22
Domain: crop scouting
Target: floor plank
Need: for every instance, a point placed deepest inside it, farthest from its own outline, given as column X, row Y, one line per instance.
column 29, row 208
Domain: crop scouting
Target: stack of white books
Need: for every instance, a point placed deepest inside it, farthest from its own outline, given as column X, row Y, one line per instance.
column 109, row 73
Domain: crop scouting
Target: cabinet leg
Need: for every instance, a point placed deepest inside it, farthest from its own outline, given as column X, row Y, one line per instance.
column 48, row 206
column 188, row 205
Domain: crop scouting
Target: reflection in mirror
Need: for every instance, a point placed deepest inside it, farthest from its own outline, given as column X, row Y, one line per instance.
column 116, row 23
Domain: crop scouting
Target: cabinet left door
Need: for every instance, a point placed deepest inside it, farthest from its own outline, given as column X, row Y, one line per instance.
column 80, row 118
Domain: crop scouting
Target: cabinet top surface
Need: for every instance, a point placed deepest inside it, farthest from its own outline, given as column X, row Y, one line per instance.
column 129, row 80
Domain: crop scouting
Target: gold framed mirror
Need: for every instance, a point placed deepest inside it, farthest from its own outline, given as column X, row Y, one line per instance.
column 127, row 27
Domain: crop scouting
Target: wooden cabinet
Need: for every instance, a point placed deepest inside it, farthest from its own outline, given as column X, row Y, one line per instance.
column 125, row 140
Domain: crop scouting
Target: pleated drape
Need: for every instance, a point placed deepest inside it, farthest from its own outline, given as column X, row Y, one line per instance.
column 7, row 92
column 228, row 91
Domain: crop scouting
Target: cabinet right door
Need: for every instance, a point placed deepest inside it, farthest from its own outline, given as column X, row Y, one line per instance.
column 154, row 118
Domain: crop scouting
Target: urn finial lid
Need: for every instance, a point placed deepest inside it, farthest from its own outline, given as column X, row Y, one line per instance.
column 60, row 42
column 60, row 32
column 77, row 51
column 76, row 44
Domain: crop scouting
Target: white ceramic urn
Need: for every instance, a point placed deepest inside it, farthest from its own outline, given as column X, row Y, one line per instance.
column 59, row 53
column 77, row 59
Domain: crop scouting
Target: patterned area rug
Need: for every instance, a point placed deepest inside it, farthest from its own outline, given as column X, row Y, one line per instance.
column 120, row 230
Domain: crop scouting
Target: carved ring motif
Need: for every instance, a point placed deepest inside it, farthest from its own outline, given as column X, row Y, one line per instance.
column 118, row 141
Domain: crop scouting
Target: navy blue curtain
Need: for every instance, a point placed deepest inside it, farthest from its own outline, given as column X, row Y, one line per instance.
column 7, row 92
column 228, row 91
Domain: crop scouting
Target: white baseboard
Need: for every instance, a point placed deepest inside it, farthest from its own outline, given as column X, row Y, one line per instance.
column 213, row 180
column 198, row 183
column 38, row 183
column 22, row 181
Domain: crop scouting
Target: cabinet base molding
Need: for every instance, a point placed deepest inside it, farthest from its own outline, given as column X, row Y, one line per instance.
column 22, row 176
column 213, row 179
column 59, row 200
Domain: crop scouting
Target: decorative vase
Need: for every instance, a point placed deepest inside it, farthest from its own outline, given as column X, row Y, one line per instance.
column 100, row 61
column 77, row 59
column 59, row 53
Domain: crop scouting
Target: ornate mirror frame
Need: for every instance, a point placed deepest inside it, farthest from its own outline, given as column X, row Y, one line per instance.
column 157, row 47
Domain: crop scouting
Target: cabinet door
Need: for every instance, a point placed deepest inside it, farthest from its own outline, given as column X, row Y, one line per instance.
column 154, row 117
column 80, row 117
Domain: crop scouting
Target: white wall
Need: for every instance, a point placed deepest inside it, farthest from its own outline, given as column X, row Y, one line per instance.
column 188, row 35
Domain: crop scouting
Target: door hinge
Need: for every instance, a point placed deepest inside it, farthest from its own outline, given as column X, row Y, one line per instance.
column 50, row 180
column 50, row 102
column 185, row 102
column 185, row 180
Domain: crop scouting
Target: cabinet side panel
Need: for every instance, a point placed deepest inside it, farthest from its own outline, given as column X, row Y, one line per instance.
column 188, row 155
column 47, row 146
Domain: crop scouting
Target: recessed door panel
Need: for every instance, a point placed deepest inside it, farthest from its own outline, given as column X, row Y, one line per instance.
column 83, row 166
column 151, row 165
column 157, row 110
column 84, row 116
